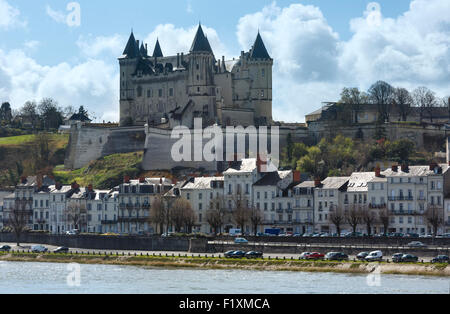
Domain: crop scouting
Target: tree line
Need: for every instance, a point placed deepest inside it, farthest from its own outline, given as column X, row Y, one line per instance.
column 389, row 99
column 46, row 114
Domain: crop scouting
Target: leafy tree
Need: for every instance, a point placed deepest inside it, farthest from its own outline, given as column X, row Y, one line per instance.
column 51, row 115
column 401, row 150
column 5, row 113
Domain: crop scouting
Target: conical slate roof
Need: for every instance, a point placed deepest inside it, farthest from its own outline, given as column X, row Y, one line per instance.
column 259, row 50
column 132, row 48
column 143, row 51
column 157, row 53
column 201, row 43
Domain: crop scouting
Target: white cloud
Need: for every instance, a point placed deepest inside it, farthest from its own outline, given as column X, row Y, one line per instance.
column 92, row 46
column 174, row 40
column 9, row 16
column 92, row 83
column 312, row 64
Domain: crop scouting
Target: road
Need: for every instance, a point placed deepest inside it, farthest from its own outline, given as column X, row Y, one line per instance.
column 28, row 246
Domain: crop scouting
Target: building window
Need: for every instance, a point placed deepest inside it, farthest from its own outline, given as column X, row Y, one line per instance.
column 171, row 92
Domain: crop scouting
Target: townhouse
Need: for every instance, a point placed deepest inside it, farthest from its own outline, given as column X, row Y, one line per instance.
column 203, row 193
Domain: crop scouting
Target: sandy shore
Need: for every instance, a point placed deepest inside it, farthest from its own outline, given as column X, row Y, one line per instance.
column 425, row 269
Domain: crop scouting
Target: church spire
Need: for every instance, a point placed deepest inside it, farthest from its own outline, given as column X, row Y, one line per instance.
column 259, row 50
column 201, row 43
column 132, row 48
column 157, row 53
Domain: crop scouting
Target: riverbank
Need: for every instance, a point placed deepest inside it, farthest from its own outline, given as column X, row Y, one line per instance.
column 418, row 269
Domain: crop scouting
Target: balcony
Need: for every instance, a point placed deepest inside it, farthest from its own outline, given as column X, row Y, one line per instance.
column 109, row 222
column 133, row 219
column 400, row 198
column 280, row 210
column 377, row 206
column 406, row 212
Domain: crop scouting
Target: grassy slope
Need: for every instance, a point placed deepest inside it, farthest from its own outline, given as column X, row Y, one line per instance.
column 104, row 173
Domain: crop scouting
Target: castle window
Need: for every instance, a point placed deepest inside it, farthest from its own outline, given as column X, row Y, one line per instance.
column 263, row 72
column 160, row 93
column 198, row 89
column 198, row 77
column 198, row 66
column 139, row 91
column 148, row 93
column 171, row 92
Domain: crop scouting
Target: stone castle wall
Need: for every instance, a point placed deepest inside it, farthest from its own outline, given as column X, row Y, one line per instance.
column 88, row 143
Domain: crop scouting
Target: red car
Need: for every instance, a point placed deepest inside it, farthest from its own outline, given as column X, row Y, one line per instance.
column 316, row 255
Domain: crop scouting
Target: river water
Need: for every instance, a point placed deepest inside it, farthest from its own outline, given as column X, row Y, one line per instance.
column 45, row 278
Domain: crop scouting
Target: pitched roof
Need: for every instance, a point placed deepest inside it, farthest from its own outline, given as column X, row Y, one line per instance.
column 358, row 181
column 334, row 183
column 201, row 43
column 132, row 48
column 143, row 50
column 202, row 183
column 270, row 179
column 259, row 50
column 157, row 53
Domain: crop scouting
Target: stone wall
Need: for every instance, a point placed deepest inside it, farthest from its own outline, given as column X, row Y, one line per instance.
column 88, row 143
column 94, row 242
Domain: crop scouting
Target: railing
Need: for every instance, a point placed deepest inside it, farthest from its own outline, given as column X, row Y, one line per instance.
column 377, row 206
column 400, row 198
column 406, row 212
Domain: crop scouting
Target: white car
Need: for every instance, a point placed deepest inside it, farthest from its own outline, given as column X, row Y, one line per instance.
column 38, row 249
column 375, row 256
column 416, row 244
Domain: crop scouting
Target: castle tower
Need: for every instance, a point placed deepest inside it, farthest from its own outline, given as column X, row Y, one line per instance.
column 128, row 62
column 260, row 66
column 201, row 87
column 157, row 53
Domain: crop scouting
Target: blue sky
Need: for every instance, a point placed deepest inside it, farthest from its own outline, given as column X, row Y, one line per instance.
column 319, row 46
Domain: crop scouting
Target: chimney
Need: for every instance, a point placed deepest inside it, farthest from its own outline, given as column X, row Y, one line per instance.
column 394, row 168
column 297, row 177
column 317, row 182
column 378, row 171
column 223, row 63
column 178, row 60
column 161, row 181
column 126, row 179
column 261, row 163
column 219, row 66
column 405, row 168
column 182, row 58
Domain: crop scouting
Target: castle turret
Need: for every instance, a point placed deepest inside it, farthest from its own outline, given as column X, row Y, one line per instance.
column 201, row 77
column 157, row 53
column 260, row 68
column 128, row 62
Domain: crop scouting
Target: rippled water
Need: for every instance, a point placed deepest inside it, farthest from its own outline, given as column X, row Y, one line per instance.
column 52, row 278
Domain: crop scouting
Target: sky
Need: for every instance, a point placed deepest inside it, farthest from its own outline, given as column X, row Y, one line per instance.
column 68, row 50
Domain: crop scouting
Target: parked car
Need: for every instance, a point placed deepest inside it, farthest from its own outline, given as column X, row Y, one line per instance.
column 39, row 249
column 416, row 244
column 336, row 256
column 409, row 258
column 362, row 256
column 315, row 256
column 446, row 235
column 440, row 259
column 375, row 256
column 353, row 235
column 5, row 248
column 240, row 241
column 304, row 255
column 61, row 249
column 229, row 254
column 397, row 257
column 253, row 254
column 412, row 235
column 238, row 254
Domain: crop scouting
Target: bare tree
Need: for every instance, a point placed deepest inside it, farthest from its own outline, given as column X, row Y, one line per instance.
column 158, row 213
column 369, row 218
column 425, row 100
column 76, row 215
column 337, row 218
column 215, row 216
column 380, row 94
column 241, row 211
column 384, row 217
column 353, row 217
column 256, row 219
column 18, row 220
column 402, row 101
column 434, row 216
column 182, row 215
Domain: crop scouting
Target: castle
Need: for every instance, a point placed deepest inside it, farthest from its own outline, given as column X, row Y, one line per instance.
column 170, row 91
